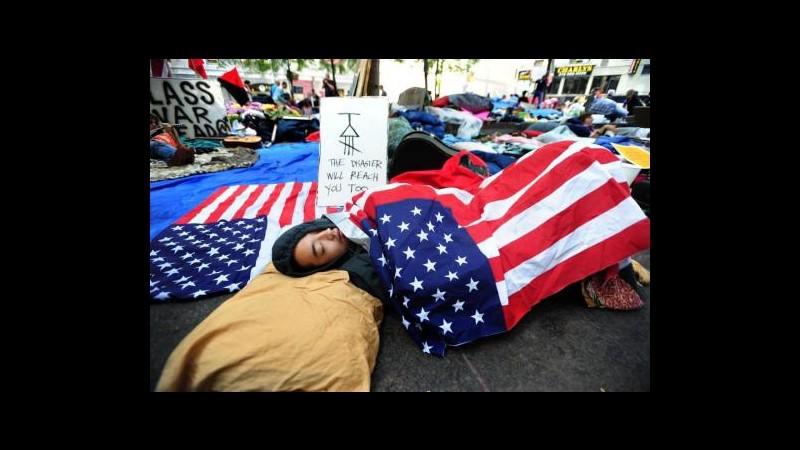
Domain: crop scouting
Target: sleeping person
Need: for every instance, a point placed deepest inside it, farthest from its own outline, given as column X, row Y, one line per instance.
column 319, row 245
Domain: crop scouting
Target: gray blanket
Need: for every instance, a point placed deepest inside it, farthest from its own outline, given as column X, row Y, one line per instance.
column 214, row 161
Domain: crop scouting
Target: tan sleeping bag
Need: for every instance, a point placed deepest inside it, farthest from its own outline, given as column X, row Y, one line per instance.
column 317, row 333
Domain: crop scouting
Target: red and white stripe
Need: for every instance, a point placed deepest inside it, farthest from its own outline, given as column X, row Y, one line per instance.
column 557, row 217
column 282, row 204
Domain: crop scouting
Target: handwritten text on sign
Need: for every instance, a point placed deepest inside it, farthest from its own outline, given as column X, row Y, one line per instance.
column 198, row 104
column 352, row 152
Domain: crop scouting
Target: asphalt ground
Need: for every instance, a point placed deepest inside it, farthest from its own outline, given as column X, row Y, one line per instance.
column 560, row 345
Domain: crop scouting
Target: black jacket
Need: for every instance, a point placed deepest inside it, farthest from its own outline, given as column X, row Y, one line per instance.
column 356, row 261
column 578, row 127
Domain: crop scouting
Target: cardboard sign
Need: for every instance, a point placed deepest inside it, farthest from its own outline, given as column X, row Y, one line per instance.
column 197, row 104
column 352, row 147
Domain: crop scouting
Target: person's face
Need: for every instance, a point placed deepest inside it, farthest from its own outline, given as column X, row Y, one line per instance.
column 589, row 120
column 318, row 248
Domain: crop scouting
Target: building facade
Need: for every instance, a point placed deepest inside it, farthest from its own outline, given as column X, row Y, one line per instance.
column 579, row 76
column 307, row 78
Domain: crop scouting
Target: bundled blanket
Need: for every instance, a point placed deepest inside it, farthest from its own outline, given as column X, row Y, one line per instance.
column 317, row 333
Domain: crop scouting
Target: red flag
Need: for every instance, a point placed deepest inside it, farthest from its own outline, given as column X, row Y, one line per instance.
column 197, row 66
column 231, row 81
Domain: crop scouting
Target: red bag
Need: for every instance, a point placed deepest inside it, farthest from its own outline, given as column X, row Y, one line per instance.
column 313, row 137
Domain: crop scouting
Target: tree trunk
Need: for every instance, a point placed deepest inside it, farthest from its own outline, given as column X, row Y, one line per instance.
column 333, row 74
column 437, row 87
column 374, row 77
column 425, row 70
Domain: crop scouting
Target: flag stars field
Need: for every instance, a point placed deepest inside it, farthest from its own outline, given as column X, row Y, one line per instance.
column 423, row 315
column 432, row 317
column 445, row 326
column 216, row 270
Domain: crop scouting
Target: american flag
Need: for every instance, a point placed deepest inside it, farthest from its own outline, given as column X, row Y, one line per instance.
column 461, row 263
column 226, row 240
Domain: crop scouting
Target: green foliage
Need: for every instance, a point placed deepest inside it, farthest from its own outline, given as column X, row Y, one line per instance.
column 453, row 65
column 347, row 64
column 274, row 66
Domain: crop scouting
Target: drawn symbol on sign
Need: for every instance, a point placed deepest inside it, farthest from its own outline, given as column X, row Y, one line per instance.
column 349, row 134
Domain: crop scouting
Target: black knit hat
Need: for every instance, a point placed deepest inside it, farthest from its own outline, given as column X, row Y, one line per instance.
column 283, row 249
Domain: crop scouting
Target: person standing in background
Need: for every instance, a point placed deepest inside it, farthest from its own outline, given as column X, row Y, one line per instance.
column 287, row 93
column 314, row 99
column 381, row 92
column 632, row 100
column 329, row 86
column 277, row 93
column 541, row 89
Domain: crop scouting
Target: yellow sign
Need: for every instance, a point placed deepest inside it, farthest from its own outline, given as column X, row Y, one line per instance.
column 568, row 71
column 635, row 154
column 524, row 75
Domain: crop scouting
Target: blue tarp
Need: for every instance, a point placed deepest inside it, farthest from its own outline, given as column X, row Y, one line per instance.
column 606, row 142
column 543, row 112
column 502, row 104
column 171, row 199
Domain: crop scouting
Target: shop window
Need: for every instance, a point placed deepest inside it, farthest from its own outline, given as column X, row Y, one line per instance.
column 611, row 83
column 575, row 85
column 607, row 82
column 596, row 82
column 553, row 88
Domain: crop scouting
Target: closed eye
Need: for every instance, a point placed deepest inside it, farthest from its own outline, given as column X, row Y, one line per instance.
column 317, row 249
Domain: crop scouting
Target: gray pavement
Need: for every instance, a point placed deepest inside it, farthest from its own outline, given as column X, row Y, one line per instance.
column 561, row 345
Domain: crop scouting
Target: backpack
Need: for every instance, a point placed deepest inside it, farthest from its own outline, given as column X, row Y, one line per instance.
column 419, row 150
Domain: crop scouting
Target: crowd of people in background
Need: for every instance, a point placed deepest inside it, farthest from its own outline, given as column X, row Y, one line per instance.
column 596, row 103
column 280, row 93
